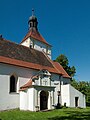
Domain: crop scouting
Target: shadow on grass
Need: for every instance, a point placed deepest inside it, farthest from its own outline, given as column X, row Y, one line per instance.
column 73, row 116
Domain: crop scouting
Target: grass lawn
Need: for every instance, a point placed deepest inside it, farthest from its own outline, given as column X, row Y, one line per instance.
column 60, row 114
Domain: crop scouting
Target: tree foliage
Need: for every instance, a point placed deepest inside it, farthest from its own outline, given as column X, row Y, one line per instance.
column 63, row 60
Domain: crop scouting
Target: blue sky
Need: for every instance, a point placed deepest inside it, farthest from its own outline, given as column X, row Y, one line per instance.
column 65, row 24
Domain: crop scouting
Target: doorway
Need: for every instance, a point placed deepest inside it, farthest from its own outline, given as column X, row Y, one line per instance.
column 43, row 100
column 76, row 101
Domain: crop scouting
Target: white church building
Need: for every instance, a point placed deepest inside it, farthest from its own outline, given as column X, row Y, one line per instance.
column 29, row 79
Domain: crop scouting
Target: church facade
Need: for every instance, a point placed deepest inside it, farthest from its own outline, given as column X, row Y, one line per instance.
column 29, row 79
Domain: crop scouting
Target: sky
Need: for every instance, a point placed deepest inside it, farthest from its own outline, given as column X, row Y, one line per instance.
column 65, row 24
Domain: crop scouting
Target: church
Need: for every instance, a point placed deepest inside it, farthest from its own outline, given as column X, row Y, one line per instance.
column 30, row 79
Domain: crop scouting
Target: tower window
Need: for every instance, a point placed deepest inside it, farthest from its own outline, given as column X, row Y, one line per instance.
column 13, row 84
column 30, row 46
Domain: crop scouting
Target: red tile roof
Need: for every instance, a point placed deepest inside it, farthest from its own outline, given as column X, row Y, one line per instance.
column 61, row 69
column 25, row 86
column 29, row 83
column 19, row 52
column 29, row 65
column 36, row 35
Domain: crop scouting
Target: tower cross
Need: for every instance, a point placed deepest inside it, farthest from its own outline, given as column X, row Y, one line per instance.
column 32, row 12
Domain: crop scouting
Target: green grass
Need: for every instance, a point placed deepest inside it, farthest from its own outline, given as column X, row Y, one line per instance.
column 60, row 114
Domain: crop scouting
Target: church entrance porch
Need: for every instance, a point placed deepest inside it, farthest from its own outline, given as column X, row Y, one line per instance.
column 44, row 100
column 44, row 97
column 37, row 98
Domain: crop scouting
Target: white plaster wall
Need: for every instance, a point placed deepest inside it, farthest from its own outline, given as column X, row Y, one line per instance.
column 65, row 95
column 68, row 94
column 27, row 100
column 26, row 43
column 36, row 97
column 11, row 100
column 39, row 46
column 31, row 99
column 57, row 88
column 55, row 81
column 36, row 82
column 7, row 100
column 75, row 93
column 49, row 100
column 23, row 100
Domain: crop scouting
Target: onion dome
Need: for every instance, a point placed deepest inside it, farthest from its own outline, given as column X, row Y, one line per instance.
column 33, row 21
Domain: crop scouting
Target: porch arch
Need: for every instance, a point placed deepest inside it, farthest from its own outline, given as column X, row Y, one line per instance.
column 44, row 100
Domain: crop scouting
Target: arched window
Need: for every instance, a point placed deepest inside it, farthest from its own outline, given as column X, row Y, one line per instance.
column 13, row 84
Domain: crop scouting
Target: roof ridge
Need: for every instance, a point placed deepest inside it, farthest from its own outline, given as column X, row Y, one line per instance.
column 9, row 41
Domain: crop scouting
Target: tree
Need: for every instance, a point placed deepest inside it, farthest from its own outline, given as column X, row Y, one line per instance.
column 63, row 60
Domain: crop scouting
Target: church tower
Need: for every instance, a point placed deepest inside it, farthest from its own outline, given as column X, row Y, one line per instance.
column 33, row 38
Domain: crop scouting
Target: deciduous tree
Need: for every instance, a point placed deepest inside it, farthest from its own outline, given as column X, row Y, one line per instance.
column 63, row 60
